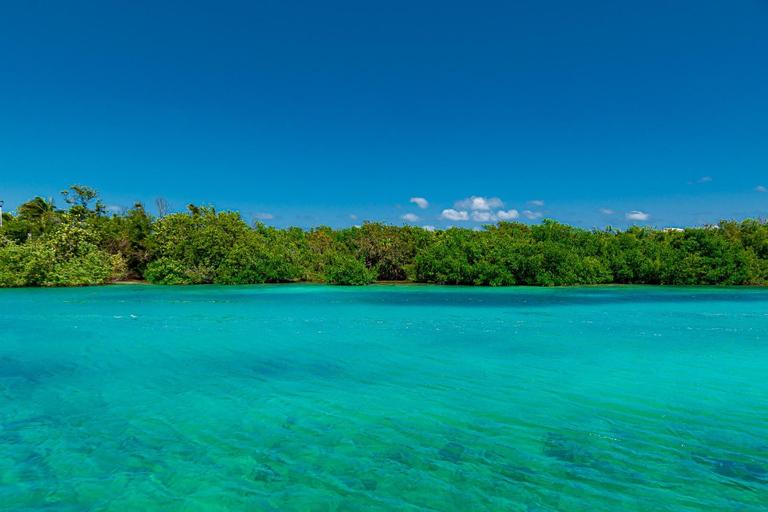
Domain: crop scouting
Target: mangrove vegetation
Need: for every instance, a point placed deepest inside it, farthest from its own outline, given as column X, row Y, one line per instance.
column 82, row 244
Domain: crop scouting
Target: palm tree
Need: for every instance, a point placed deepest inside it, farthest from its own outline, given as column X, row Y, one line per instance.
column 40, row 212
column 36, row 208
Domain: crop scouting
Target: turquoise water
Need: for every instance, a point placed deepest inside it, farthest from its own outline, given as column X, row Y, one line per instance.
column 302, row 397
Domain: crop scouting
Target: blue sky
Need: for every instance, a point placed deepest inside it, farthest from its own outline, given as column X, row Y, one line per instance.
column 309, row 113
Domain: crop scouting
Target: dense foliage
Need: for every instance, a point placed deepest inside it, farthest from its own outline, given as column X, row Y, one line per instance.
column 41, row 245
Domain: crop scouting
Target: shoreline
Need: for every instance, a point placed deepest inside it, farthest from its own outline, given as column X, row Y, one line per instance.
column 137, row 282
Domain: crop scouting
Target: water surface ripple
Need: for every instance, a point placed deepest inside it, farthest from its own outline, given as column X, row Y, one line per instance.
column 307, row 397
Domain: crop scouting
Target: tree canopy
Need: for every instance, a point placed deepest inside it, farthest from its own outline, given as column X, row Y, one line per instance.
column 42, row 245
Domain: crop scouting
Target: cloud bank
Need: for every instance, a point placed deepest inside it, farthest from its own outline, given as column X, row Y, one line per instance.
column 637, row 215
column 451, row 214
column 478, row 203
column 483, row 216
column 508, row 215
column 479, row 209
column 532, row 215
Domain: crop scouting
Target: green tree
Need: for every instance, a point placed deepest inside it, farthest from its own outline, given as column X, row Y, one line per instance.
column 80, row 197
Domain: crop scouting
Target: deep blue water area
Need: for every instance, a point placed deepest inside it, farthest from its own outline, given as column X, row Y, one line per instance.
column 318, row 398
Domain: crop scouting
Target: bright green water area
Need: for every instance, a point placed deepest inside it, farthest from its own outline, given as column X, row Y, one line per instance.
column 302, row 397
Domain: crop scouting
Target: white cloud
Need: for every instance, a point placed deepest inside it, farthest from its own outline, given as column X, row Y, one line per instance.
column 420, row 202
column 451, row 214
column 115, row 209
column 636, row 215
column 507, row 215
column 410, row 217
column 532, row 215
column 478, row 203
column 760, row 188
column 535, row 203
column 479, row 216
column 428, row 228
column 704, row 179
column 606, row 211
column 264, row 216
column 353, row 216
column 483, row 216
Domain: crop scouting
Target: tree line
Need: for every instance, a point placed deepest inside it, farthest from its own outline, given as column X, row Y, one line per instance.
column 42, row 245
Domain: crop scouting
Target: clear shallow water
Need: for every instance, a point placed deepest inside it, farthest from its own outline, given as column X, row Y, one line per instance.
column 302, row 397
